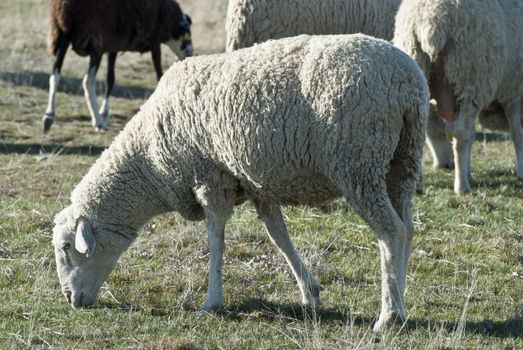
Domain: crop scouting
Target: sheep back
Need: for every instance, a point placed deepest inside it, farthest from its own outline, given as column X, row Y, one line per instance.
column 99, row 26
column 254, row 21
column 292, row 119
column 482, row 40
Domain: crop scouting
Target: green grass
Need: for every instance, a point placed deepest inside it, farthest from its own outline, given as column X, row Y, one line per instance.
column 465, row 281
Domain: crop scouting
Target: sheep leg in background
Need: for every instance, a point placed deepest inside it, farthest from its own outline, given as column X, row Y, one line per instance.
column 104, row 109
column 463, row 135
column 458, row 124
column 215, row 233
column 273, row 220
column 89, row 85
column 513, row 113
column 156, row 55
column 54, row 79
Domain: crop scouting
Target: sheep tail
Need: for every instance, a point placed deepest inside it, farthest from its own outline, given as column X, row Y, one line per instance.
column 407, row 160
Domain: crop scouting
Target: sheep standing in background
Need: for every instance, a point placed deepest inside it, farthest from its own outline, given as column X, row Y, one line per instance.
column 294, row 121
column 471, row 52
column 96, row 27
column 255, row 21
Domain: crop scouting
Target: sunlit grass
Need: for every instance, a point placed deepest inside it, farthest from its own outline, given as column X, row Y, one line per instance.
column 465, row 281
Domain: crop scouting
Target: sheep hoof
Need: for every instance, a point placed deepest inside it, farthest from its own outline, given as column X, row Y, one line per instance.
column 100, row 128
column 463, row 189
column 446, row 165
column 211, row 307
column 47, row 121
column 106, row 118
column 314, row 301
column 388, row 320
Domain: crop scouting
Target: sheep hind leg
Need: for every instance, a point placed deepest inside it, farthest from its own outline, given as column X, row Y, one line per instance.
column 272, row 218
column 104, row 109
column 513, row 113
column 369, row 200
column 400, row 182
column 54, row 79
column 89, row 85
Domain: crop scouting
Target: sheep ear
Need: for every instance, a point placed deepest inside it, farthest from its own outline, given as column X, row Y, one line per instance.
column 84, row 241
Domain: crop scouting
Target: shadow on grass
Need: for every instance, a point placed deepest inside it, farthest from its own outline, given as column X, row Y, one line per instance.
column 259, row 309
column 69, row 85
column 9, row 148
column 270, row 311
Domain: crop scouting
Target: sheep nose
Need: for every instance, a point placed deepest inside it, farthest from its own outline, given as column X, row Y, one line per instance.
column 68, row 296
column 188, row 50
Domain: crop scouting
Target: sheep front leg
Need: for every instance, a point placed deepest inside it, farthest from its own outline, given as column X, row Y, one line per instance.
column 273, row 220
column 513, row 113
column 89, row 85
column 215, row 232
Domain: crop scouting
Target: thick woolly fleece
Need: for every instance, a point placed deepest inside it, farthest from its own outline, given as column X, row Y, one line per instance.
column 292, row 121
column 255, row 21
column 483, row 45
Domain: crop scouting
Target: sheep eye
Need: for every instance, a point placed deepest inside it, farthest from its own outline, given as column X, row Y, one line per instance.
column 66, row 246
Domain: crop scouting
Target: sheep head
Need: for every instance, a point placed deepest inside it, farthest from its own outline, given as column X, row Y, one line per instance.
column 181, row 42
column 85, row 256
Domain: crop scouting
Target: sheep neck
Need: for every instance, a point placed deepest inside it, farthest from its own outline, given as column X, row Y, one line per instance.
column 119, row 192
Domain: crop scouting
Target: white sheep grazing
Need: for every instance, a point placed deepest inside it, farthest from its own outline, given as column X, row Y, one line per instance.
column 471, row 53
column 96, row 27
column 255, row 21
column 294, row 121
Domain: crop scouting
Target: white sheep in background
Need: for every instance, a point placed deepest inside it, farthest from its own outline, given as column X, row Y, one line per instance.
column 293, row 121
column 255, row 21
column 96, row 27
column 471, row 52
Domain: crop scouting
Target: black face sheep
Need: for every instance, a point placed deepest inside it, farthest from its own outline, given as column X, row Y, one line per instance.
column 255, row 21
column 96, row 27
column 293, row 121
column 471, row 52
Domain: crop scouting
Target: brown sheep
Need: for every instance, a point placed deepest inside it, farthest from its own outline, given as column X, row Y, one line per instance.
column 96, row 27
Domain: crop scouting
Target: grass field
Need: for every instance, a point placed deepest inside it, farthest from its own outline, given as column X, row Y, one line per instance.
column 465, row 281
